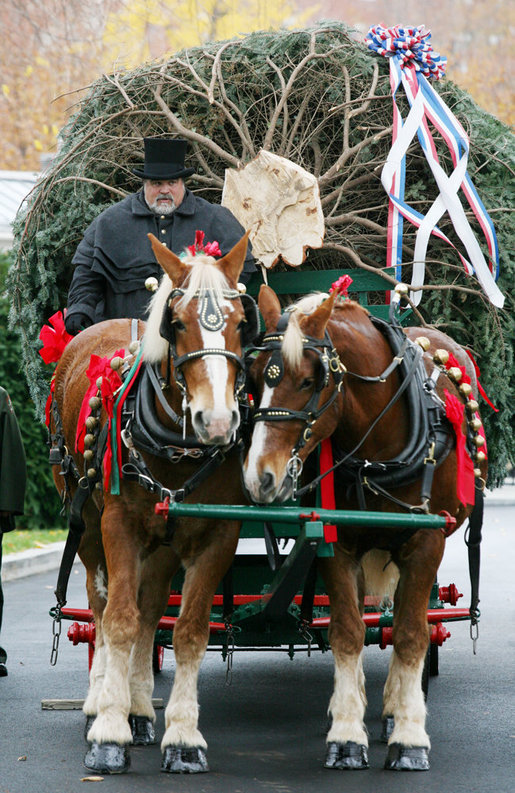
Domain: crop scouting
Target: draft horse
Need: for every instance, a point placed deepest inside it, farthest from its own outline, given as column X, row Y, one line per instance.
column 178, row 441
column 326, row 369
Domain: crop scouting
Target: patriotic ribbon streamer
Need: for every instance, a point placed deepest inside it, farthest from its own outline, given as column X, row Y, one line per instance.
column 411, row 60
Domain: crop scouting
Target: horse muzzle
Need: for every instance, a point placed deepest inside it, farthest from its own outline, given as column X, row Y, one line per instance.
column 215, row 429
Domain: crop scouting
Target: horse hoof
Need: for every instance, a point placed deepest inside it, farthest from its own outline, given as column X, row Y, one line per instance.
column 388, row 725
column 87, row 727
column 107, row 758
column 142, row 728
column 407, row 758
column 346, row 756
column 184, row 760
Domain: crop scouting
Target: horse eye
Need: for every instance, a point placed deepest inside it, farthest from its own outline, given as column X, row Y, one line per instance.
column 178, row 325
column 307, row 383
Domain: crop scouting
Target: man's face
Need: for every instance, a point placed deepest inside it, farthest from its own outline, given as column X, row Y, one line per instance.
column 163, row 195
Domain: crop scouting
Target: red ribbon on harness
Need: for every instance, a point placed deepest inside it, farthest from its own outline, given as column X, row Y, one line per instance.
column 98, row 367
column 55, row 338
column 454, row 410
column 327, row 487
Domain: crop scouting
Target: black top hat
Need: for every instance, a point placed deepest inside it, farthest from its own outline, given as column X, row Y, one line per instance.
column 164, row 159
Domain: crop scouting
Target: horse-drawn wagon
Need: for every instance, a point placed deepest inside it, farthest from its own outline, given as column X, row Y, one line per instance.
column 332, row 442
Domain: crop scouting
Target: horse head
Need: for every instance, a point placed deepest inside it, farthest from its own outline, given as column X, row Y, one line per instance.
column 297, row 375
column 201, row 321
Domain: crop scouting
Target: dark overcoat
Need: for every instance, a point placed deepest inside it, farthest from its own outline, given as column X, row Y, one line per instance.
column 12, row 464
column 115, row 257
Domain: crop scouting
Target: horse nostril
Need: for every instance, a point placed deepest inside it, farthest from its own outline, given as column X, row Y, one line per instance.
column 198, row 419
column 267, row 482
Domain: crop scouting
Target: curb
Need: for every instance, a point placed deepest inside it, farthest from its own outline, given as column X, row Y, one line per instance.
column 43, row 560
column 33, row 561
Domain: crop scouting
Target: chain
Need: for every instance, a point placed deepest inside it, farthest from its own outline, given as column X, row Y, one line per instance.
column 230, row 653
column 474, row 630
column 305, row 634
column 56, row 634
column 294, row 470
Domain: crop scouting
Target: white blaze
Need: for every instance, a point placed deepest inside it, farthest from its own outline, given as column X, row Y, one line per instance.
column 258, row 445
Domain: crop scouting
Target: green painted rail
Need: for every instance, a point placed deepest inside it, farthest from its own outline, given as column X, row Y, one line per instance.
column 288, row 514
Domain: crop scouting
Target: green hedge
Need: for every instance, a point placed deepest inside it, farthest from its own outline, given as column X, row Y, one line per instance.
column 42, row 504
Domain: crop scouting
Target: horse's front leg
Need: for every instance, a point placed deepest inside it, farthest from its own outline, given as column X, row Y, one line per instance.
column 157, row 573
column 91, row 553
column 183, row 745
column 110, row 734
column 347, row 740
column 403, row 703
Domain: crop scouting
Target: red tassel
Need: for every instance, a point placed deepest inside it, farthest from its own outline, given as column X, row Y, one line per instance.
column 454, row 410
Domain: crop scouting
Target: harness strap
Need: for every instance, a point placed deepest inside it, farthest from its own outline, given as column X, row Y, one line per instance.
column 76, row 529
column 380, row 378
column 159, row 393
column 405, row 383
column 473, row 542
column 136, row 470
column 76, row 526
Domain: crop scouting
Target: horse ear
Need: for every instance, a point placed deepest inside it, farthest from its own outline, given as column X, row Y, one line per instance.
column 315, row 324
column 232, row 262
column 171, row 264
column 269, row 306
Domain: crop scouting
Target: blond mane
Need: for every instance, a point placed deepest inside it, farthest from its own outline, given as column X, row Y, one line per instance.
column 292, row 347
column 203, row 276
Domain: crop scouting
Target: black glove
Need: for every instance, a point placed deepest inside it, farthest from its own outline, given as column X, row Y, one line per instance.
column 76, row 322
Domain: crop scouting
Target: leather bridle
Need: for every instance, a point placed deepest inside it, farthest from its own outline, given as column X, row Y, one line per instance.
column 330, row 365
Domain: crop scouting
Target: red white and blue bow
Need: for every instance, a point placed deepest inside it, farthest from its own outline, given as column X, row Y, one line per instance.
column 411, row 59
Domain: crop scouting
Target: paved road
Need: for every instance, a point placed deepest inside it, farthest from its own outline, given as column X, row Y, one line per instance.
column 266, row 731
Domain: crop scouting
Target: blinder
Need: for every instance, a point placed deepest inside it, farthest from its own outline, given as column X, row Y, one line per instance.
column 166, row 328
column 251, row 328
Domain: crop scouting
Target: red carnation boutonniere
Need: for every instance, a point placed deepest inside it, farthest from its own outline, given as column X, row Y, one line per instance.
column 54, row 337
column 209, row 248
column 341, row 286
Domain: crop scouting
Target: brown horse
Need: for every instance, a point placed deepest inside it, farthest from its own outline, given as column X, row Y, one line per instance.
column 193, row 339
column 329, row 372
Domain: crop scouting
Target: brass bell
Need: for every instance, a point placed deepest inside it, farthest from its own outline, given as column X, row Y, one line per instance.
column 151, row 284
column 241, row 288
column 134, row 347
column 94, row 403
column 98, row 485
column 116, row 363
column 441, row 356
column 479, row 441
column 89, row 440
column 472, row 406
column 401, row 289
column 92, row 472
column 480, row 457
column 423, row 342
column 465, row 390
column 99, row 382
column 91, row 423
column 455, row 373
column 475, row 424
column 88, row 455
column 477, row 472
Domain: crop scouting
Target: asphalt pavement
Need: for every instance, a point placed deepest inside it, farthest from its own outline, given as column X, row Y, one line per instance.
column 266, row 730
